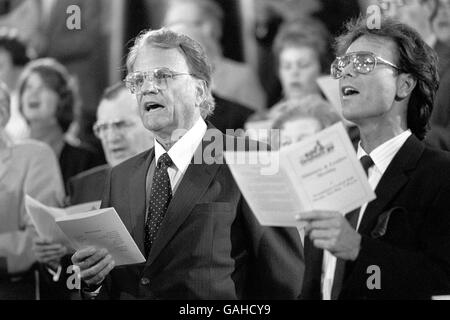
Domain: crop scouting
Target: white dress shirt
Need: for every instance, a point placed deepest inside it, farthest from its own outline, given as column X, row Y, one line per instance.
column 182, row 152
column 382, row 156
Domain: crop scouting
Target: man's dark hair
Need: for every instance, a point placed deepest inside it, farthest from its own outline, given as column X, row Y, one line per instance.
column 415, row 57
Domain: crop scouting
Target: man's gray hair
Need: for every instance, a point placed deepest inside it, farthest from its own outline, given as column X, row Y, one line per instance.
column 191, row 50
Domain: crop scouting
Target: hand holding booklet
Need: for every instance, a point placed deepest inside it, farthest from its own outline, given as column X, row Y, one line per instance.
column 320, row 172
column 80, row 226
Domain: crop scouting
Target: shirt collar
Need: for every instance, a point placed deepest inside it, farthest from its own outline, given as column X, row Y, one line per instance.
column 183, row 150
column 383, row 154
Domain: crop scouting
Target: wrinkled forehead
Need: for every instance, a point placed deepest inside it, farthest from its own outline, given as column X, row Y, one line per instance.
column 380, row 46
column 150, row 57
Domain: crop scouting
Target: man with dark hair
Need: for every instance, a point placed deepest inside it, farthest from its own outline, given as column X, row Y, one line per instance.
column 398, row 245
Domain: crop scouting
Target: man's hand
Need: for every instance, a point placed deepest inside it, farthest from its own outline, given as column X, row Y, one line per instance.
column 95, row 264
column 49, row 253
column 329, row 230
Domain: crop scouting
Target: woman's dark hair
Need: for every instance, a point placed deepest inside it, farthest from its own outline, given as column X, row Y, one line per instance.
column 415, row 57
column 57, row 79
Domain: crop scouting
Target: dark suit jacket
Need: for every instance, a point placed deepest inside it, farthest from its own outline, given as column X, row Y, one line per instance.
column 229, row 115
column 209, row 246
column 88, row 185
column 405, row 232
column 76, row 159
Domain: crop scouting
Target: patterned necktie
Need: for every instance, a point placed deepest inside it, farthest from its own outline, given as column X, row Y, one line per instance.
column 160, row 196
column 352, row 217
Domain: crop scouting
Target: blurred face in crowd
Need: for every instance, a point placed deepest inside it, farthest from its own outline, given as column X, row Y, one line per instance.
column 297, row 129
column 6, row 66
column 366, row 97
column 415, row 13
column 120, row 128
column 441, row 24
column 177, row 105
column 190, row 14
column 299, row 67
column 39, row 102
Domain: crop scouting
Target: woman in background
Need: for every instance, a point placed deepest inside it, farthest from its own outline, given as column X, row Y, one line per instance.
column 302, row 49
column 47, row 99
column 25, row 168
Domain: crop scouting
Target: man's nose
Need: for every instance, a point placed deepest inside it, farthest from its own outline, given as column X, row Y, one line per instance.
column 112, row 135
column 149, row 87
column 348, row 70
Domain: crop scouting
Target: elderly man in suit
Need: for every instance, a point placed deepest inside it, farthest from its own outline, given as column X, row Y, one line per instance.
column 184, row 211
column 398, row 245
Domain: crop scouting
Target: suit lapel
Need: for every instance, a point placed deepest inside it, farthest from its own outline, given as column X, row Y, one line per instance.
column 392, row 181
column 137, row 197
column 193, row 185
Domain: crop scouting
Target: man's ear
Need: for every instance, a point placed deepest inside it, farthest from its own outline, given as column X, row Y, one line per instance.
column 405, row 85
column 200, row 92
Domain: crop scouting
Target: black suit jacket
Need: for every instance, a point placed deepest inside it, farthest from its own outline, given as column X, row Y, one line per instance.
column 209, row 246
column 88, row 185
column 229, row 115
column 405, row 232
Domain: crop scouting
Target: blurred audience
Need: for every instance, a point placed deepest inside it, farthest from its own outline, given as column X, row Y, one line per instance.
column 47, row 100
column 313, row 115
column 231, row 80
column 419, row 14
column 14, row 55
column 26, row 168
column 120, row 129
column 81, row 51
column 441, row 23
column 26, row 16
column 271, row 14
column 302, row 49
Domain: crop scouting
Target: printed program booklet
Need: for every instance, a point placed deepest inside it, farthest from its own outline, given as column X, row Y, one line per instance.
column 320, row 172
column 80, row 226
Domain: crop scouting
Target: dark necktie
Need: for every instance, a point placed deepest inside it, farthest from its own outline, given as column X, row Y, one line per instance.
column 352, row 218
column 160, row 196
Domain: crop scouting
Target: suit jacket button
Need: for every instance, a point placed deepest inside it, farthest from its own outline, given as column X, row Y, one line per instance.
column 145, row 281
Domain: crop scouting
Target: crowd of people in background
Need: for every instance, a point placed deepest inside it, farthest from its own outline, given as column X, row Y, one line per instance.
column 62, row 128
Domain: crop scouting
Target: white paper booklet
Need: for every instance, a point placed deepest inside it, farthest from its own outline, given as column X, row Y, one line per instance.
column 43, row 218
column 85, row 225
column 102, row 228
column 320, row 172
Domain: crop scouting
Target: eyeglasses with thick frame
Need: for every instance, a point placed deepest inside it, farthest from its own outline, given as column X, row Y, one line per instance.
column 158, row 77
column 363, row 62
